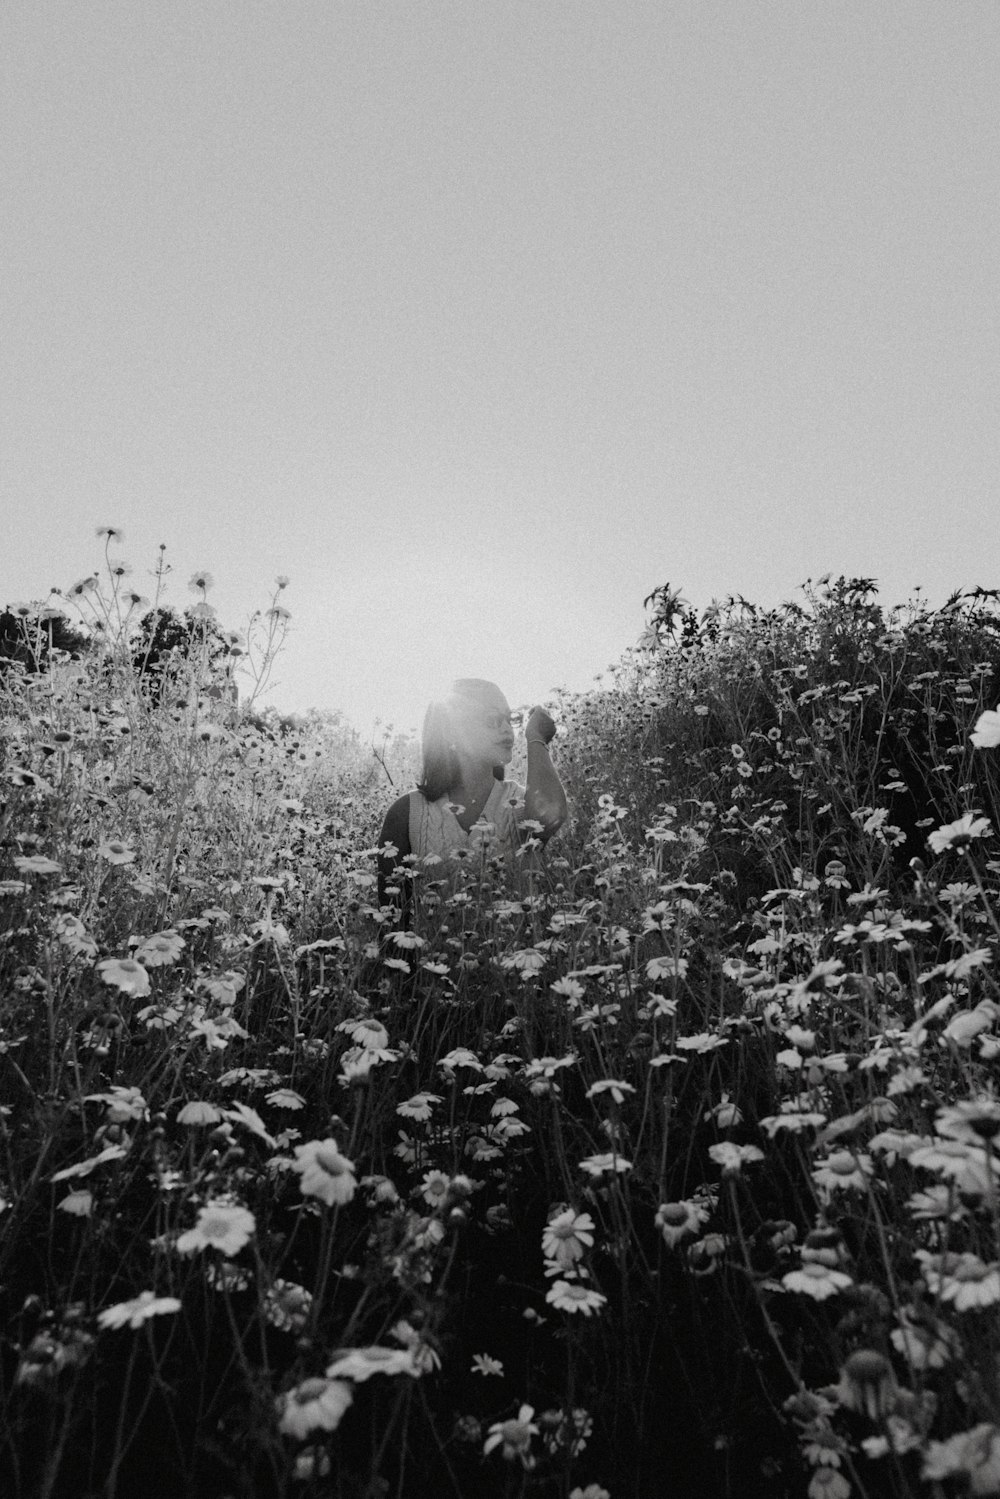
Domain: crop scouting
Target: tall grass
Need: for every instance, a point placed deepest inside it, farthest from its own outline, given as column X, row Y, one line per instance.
column 663, row 1163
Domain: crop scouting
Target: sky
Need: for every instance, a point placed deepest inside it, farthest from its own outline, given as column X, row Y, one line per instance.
column 481, row 319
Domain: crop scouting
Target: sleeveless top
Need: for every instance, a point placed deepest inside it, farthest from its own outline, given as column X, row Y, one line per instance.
column 434, row 828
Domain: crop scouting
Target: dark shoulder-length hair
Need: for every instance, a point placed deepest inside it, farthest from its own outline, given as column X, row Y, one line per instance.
column 440, row 768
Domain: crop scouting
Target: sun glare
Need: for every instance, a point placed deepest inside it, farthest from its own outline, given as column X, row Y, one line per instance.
column 386, row 654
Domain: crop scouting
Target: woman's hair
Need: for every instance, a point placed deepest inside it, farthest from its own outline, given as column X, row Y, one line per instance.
column 441, row 768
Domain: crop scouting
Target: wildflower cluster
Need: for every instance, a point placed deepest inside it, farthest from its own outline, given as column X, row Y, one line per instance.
column 710, row 1083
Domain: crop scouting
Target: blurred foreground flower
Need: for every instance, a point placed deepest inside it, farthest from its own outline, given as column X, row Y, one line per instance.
column 828, row 1483
column 514, row 1437
column 225, row 1277
column 963, row 1279
column 114, row 851
column 434, row 1188
column 287, row 1305
column 324, row 1172
column 565, row 1237
column 359, row 1364
column 986, row 734
column 313, row 1405
column 571, row 1296
column 311, row 1462
column 970, row 1120
column 959, row 834
column 975, row 1454
column 160, row 949
column 49, row 1353
column 612, row 1085
column 867, row 1384
column 732, row 1158
column 602, row 1165
column 419, row 1107
column 84, row 1168
column 221, row 1225
column 199, row 1112
column 125, row 974
column 678, row 1220
column 843, row 1171
column 924, row 1342
column 816, row 1280
column 36, row 864
column 137, row 1311
column 286, row 1098
column 79, row 1203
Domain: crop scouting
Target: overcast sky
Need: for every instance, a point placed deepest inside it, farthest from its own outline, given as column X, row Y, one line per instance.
column 481, row 319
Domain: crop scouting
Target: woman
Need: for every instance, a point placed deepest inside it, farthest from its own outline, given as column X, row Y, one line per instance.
column 467, row 740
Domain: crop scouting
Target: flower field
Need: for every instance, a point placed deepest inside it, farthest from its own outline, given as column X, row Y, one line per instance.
column 666, row 1163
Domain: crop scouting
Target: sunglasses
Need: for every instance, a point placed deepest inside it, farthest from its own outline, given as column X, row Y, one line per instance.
column 497, row 720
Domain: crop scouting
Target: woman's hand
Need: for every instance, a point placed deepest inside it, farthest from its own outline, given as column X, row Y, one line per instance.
column 540, row 725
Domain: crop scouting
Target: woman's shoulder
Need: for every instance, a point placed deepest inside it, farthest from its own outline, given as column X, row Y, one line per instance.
column 398, row 814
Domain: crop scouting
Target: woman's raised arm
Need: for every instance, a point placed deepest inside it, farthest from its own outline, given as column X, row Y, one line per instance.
column 545, row 799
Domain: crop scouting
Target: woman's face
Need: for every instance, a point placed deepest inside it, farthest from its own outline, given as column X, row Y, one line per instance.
column 484, row 730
